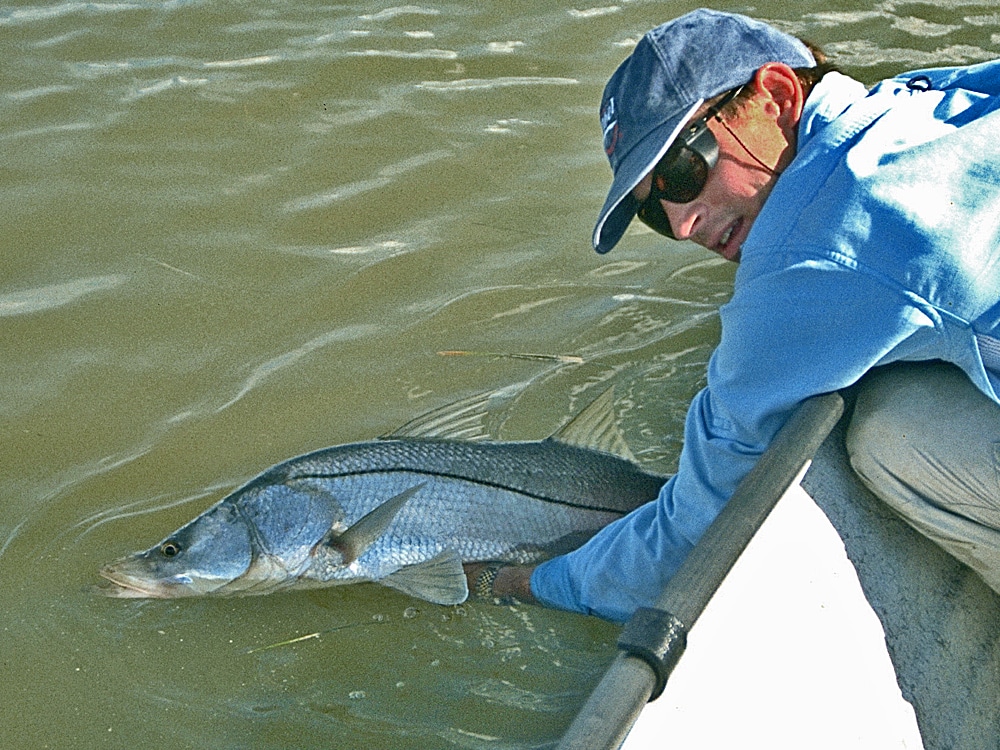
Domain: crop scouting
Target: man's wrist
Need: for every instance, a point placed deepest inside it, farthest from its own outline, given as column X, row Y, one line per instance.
column 514, row 581
column 501, row 581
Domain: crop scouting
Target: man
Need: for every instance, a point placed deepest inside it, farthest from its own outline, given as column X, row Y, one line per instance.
column 867, row 228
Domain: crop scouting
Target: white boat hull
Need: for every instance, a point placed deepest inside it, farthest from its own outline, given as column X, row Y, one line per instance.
column 802, row 648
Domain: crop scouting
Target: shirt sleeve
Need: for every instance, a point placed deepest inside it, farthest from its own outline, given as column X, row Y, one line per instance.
column 811, row 328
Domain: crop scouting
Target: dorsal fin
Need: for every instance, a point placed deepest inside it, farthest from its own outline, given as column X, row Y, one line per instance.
column 596, row 427
column 467, row 419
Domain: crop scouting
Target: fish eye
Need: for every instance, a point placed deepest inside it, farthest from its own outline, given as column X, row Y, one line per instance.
column 170, row 549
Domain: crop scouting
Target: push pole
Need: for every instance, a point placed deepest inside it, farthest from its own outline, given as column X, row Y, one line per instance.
column 653, row 640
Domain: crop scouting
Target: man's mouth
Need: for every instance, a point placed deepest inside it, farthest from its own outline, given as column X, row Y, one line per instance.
column 725, row 237
column 728, row 245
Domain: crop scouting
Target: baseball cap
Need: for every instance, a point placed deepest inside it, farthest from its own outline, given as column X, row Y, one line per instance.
column 672, row 71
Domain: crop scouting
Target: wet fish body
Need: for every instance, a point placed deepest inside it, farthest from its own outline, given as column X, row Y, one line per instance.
column 405, row 512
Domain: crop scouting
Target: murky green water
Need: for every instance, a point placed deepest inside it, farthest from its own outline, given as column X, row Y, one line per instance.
column 236, row 231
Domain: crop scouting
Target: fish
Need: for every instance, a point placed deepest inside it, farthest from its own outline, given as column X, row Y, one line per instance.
column 406, row 511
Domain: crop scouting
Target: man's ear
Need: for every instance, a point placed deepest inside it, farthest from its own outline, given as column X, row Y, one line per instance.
column 784, row 95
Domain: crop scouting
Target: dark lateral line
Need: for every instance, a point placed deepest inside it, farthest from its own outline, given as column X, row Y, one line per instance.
column 459, row 477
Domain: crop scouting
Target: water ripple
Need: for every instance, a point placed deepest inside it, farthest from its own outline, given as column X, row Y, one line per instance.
column 36, row 93
column 862, row 53
column 146, row 506
column 381, row 180
column 48, row 297
column 16, row 16
column 11, row 536
column 66, row 127
column 175, row 82
column 424, row 54
column 94, row 70
column 838, row 19
column 385, row 249
column 594, row 12
column 404, row 10
column 922, row 27
column 990, row 20
column 265, row 370
column 246, row 62
column 482, row 84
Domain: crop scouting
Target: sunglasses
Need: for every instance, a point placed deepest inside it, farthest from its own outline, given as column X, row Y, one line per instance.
column 680, row 175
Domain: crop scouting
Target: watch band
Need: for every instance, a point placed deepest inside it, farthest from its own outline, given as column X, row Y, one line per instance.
column 483, row 587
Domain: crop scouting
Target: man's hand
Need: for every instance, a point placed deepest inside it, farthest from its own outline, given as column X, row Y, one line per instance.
column 499, row 581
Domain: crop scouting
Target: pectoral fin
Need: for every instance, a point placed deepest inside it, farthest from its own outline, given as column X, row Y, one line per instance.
column 352, row 542
column 440, row 580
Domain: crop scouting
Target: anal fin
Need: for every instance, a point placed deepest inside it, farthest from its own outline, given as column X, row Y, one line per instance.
column 440, row 580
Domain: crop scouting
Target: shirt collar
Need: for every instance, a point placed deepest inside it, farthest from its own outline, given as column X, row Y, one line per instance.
column 829, row 99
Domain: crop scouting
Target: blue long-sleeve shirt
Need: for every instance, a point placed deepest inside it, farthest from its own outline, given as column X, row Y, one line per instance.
column 880, row 242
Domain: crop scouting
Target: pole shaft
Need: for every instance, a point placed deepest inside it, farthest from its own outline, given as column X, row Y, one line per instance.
column 688, row 592
column 612, row 709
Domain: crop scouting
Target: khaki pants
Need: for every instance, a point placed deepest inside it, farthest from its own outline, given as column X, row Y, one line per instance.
column 927, row 442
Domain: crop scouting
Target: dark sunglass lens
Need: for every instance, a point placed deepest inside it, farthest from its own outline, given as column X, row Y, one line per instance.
column 651, row 214
column 683, row 174
column 678, row 178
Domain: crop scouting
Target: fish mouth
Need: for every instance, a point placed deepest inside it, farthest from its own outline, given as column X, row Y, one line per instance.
column 114, row 590
column 120, row 585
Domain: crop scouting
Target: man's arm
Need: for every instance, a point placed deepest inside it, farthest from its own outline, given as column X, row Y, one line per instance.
column 788, row 335
column 490, row 580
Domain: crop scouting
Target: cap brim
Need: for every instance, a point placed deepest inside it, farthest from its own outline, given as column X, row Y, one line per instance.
column 615, row 223
column 620, row 206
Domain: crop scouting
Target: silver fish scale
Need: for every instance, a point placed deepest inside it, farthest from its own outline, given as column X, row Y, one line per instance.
column 514, row 501
column 479, row 522
column 546, row 469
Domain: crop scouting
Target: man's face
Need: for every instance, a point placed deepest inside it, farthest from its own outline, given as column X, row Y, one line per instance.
column 721, row 216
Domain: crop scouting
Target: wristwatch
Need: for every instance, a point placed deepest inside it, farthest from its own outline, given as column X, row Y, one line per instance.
column 483, row 586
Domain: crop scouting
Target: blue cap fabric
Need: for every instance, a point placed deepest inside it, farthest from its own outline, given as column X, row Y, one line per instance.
column 673, row 70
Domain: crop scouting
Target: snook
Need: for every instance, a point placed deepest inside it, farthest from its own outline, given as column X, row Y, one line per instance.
column 403, row 511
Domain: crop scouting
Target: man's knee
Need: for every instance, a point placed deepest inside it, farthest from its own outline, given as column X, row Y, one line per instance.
column 922, row 433
column 925, row 442
column 880, row 436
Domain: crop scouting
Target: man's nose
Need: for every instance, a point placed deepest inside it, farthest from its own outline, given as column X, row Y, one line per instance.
column 685, row 218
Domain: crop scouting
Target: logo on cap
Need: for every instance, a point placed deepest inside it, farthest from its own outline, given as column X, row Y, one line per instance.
column 612, row 133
